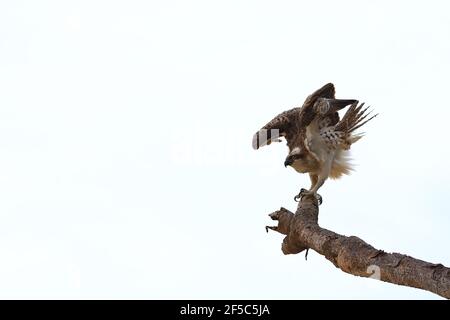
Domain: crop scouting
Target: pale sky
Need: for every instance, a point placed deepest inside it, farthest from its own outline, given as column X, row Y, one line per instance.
column 126, row 167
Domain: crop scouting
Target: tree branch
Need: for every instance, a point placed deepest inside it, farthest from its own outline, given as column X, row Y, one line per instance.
column 353, row 255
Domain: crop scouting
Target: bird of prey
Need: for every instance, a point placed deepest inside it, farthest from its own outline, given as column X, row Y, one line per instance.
column 318, row 140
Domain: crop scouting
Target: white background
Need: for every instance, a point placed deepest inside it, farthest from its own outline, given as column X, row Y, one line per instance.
column 126, row 167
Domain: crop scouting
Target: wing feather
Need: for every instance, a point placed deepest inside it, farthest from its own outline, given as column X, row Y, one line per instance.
column 283, row 125
column 291, row 124
column 321, row 105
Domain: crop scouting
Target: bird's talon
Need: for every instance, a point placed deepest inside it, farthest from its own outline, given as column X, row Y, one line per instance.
column 303, row 192
column 319, row 198
column 300, row 195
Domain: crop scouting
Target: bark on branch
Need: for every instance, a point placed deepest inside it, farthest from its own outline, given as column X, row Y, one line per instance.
column 353, row 255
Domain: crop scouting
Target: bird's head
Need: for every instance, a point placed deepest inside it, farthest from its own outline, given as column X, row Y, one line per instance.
column 297, row 154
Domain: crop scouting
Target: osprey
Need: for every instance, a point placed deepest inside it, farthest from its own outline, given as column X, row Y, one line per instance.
column 317, row 139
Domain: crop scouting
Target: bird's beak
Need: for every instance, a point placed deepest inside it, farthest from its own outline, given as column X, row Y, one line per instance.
column 287, row 162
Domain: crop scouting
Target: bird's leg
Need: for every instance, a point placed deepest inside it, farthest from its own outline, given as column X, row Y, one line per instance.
column 320, row 181
column 313, row 177
column 316, row 182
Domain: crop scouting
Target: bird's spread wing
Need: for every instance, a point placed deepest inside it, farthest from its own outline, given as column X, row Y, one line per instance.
column 308, row 112
column 341, row 134
column 354, row 118
column 322, row 104
column 283, row 125
column 292, row 124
